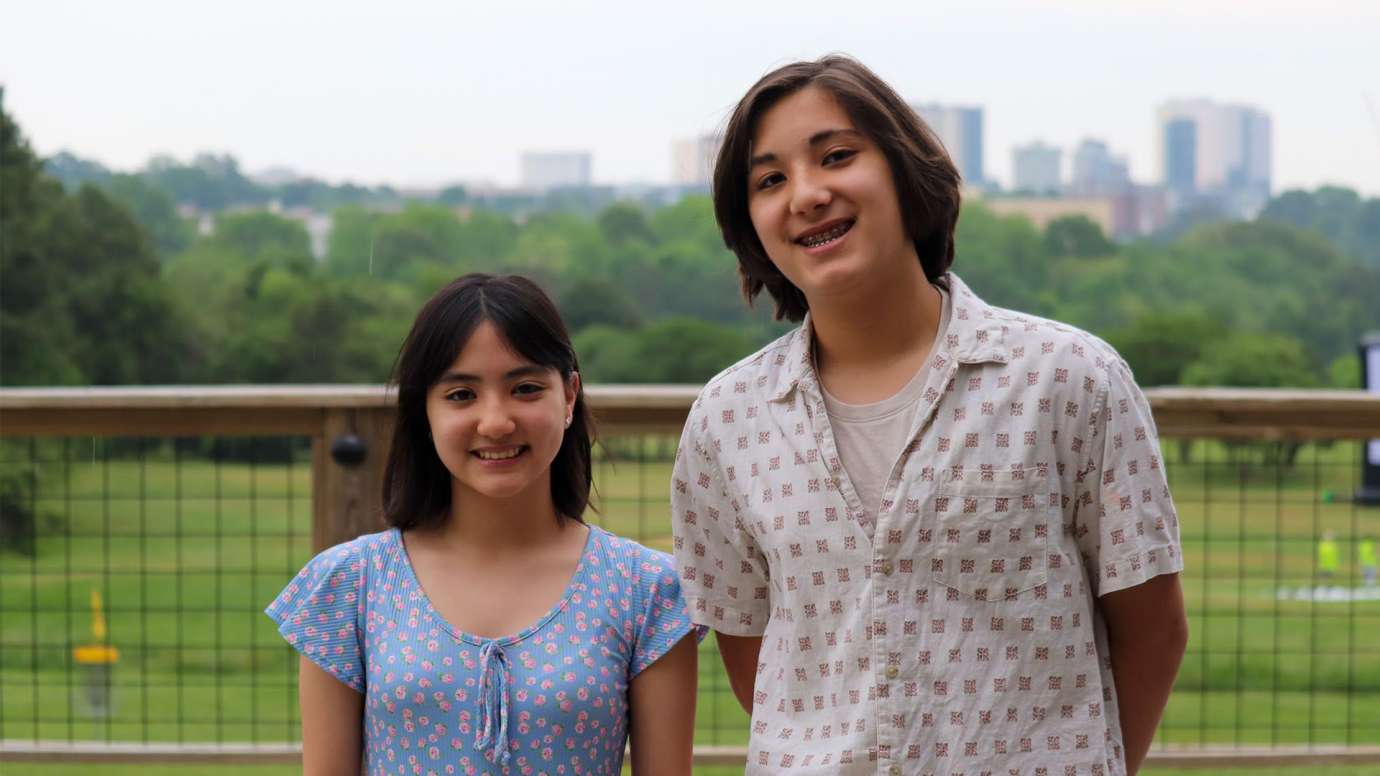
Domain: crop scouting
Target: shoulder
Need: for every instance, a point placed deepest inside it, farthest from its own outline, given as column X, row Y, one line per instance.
column 351, row 558
column 1074, row 355
column 747, row 381
column 630, row 555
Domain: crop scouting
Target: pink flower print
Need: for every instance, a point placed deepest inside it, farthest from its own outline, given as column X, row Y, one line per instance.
column 521, row 696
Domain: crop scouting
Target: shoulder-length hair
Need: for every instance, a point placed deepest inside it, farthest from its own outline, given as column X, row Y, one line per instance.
column 416, row 484
column 927, row 182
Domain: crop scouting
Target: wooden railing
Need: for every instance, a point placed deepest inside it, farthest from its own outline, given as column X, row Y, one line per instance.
column 344, row 495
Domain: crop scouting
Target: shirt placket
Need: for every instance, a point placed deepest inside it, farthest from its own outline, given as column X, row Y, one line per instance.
column 887, row 638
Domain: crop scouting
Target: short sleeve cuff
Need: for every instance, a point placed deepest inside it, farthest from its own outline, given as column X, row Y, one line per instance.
column 726, row 618
column 1137, row 568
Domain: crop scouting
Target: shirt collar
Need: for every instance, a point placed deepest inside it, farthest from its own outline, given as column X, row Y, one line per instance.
column 976, row 335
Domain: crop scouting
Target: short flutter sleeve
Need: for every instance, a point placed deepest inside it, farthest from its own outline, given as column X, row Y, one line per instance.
column 321, row 612
column 661, row 618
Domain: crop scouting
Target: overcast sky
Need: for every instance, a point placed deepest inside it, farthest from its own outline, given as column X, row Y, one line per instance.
column 420, row 93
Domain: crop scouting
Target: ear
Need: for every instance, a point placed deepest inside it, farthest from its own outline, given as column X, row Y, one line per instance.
column 572, row 390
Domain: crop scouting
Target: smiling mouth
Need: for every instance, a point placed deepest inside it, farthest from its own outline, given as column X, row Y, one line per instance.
column 825, row 236
column 499, row 455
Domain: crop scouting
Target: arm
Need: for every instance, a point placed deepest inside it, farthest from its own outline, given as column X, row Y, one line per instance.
column 332, row 715
column 740, row 655
column 662, row 727
column 1147, row 631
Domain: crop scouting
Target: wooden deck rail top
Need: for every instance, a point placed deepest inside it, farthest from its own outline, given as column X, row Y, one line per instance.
column 300, row 409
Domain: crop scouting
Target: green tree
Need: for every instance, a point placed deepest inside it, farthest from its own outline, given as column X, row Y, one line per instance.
column 687, row 350
column 72, row 171
column 1160, row 345
column 587, row 301
column 210, row 182
column 622, row 223
column 1254, row 360
column 81, row 297
column 155, row 211
column 1077, row 236
column 258, row 237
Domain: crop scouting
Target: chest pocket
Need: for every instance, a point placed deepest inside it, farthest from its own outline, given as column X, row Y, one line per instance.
column 992, row 536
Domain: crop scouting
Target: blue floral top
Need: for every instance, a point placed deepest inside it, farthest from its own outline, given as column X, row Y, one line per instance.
column 552, row 699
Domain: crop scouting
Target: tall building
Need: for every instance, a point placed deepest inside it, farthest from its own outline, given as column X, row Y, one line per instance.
column 1227, row 147
column 1096, row 172
column 1180, row 138
column 1036, row 168
column 960, row 130
column 692, row 160
column 555, row 169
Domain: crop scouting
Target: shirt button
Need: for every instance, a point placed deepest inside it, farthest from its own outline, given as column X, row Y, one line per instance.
column 895, row 770
column 892, row 672
column 886, row 567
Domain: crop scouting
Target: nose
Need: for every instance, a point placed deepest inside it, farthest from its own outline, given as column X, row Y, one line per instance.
column 809, row 192
column 495, row 420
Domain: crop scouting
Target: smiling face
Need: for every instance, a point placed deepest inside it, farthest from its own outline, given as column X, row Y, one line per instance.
column 822, row 199
column 497, row 420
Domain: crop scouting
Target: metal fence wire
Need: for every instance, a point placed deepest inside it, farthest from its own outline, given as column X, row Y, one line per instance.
column 134, row 573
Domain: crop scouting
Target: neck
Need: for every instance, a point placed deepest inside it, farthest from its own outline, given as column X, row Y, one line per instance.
column 889, row 320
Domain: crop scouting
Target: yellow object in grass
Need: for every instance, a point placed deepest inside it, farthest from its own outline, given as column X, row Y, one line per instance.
column 97, row 653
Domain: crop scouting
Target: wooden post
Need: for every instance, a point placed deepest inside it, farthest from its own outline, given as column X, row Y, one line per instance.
column 348, row 498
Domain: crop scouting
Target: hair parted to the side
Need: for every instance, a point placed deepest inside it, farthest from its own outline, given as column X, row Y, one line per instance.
column 927, row 182
column 416, row 484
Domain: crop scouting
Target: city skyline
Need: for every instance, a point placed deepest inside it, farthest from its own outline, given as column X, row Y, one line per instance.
column 432, row 94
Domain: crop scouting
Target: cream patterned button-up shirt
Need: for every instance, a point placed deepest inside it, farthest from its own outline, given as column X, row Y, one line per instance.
column 962, row 636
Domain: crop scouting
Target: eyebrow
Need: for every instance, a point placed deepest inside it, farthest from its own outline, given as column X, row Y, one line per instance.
column 815, row 139
column 531, row 370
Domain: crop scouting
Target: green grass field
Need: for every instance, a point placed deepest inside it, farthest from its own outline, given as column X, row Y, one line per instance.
column 187, row 554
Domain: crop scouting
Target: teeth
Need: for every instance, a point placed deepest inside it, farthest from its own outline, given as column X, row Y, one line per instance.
column 499, row 456
column 816, row 240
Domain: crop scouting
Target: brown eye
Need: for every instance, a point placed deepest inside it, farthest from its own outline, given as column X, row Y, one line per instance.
column 839, row 155
column 769, row 180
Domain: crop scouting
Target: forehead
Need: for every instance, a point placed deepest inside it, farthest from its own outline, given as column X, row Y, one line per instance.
column 487, row 346
column 794, row 118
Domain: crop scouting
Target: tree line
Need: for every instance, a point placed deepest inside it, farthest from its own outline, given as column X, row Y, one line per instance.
column 102, row 282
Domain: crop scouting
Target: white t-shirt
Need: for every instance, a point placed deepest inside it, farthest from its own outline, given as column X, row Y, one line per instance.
column 870, row 437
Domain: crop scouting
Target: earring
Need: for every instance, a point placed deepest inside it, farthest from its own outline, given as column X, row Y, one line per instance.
column 568, row 420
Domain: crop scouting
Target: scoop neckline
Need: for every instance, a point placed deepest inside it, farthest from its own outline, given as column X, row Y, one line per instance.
column 576, row 580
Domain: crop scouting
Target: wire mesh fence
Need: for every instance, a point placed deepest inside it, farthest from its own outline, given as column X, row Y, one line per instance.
column 185, row 540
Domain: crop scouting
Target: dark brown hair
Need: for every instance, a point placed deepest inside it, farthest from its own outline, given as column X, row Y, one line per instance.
column 927, row 182
column 416, row 484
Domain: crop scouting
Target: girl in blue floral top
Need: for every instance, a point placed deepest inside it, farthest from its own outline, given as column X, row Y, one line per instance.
column 490, row 630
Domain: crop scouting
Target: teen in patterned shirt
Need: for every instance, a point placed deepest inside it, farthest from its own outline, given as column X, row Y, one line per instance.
column 933, row 536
